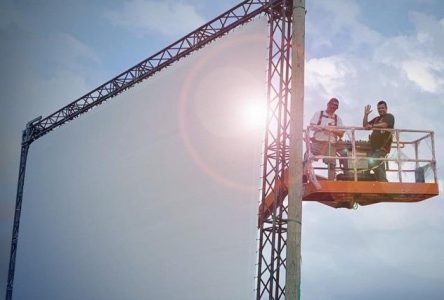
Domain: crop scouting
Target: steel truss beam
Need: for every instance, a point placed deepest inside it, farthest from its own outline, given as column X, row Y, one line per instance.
column 272, row 229
column 273, row 224
column 221, row 25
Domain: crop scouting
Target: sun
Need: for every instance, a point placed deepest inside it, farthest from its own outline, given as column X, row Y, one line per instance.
column 253, row 114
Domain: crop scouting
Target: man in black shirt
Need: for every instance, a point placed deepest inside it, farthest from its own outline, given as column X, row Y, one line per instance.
column 380, row 140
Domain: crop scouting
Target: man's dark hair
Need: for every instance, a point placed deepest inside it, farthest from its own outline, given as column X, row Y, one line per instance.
column 382, row 102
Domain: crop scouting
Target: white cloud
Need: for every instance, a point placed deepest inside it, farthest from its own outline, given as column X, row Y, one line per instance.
column 421, row 73
column 328, row 74
column 419, row 56
column 339, row 26
column 167, row 17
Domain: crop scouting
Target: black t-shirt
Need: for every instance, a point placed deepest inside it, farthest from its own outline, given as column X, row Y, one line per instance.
column 381, row 139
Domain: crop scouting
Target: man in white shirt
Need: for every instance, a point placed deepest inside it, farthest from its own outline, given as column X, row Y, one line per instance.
column 324, row 139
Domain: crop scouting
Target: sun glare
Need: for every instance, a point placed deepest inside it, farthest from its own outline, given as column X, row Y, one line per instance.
column 253, row 114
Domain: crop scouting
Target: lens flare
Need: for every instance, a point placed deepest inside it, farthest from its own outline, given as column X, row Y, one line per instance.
column 253, row 114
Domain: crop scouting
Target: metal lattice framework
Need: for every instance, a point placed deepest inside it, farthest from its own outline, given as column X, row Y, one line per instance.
column 272, row 229
column 272, row 224
column 221, row 25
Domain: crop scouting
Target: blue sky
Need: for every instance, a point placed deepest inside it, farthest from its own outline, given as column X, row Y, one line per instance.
column 359, row 51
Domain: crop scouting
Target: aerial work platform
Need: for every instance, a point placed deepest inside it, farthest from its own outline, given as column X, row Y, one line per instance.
column 410, row 168
column 348, row 194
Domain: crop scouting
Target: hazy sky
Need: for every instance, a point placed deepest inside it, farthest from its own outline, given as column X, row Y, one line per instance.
column 53, row 52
